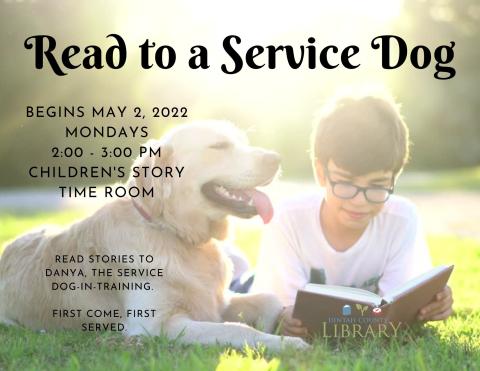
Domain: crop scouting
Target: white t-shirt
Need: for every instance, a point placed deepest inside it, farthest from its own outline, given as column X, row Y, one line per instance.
column 391, row 250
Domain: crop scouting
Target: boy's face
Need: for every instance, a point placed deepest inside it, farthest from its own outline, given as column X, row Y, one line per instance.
column 354, row 213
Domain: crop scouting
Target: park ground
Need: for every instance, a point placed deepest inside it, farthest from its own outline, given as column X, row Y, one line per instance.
column 450, row 208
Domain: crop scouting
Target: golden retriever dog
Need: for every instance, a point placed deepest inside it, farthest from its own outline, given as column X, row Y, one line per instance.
column 178, row 228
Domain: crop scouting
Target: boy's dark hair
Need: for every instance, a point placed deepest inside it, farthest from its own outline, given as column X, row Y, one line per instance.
column 361, row 135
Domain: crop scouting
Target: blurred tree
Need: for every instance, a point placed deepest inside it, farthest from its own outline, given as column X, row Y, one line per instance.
column 443, row 116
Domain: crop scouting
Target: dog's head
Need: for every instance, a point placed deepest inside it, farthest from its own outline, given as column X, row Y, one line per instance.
column 219, row 177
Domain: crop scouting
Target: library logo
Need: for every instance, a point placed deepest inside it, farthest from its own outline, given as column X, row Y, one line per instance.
column 346, row 310
column 359, row 321
column 361, row 308
column 377, row 311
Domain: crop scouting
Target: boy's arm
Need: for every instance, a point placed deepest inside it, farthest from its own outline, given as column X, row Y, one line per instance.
column 410, row 259
column 279, row 269
column 409, row 256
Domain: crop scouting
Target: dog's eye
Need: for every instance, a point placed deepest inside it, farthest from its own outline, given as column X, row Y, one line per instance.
column 220, row 145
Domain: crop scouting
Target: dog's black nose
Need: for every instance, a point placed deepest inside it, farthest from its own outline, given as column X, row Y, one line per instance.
column 271, row 159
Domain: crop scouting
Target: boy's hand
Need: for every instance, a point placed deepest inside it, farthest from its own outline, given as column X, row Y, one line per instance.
column 439, row 308
column 290, row 326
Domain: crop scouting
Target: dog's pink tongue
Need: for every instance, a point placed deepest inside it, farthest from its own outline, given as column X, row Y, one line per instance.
column 262, row 203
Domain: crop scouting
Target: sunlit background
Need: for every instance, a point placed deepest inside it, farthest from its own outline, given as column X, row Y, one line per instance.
column 276, row 107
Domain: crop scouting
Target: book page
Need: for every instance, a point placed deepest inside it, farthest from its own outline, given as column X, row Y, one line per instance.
column 345, row 292
column 409, row 285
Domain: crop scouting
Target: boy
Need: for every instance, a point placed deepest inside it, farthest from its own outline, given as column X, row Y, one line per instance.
column 353, row 232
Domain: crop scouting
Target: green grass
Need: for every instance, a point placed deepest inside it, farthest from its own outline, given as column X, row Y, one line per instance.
column 453, row 344
column 449, row 346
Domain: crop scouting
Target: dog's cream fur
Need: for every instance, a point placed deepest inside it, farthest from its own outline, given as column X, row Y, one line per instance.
column 191, row 298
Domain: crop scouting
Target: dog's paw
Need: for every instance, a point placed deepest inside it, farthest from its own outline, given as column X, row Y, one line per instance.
column 278, row 343
column 295, row 342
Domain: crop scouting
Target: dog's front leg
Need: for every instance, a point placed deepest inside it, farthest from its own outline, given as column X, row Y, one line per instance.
column 237, row 335
column 258, row 310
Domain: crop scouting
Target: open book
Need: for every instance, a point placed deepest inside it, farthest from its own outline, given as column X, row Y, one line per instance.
column 325, row 309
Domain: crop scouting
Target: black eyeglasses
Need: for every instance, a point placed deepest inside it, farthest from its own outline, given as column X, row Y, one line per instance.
column 346, row 190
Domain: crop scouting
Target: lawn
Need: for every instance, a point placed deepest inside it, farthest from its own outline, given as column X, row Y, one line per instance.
column 453, row 344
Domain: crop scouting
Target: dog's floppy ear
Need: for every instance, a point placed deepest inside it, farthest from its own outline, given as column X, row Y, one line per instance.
column 141, row 177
